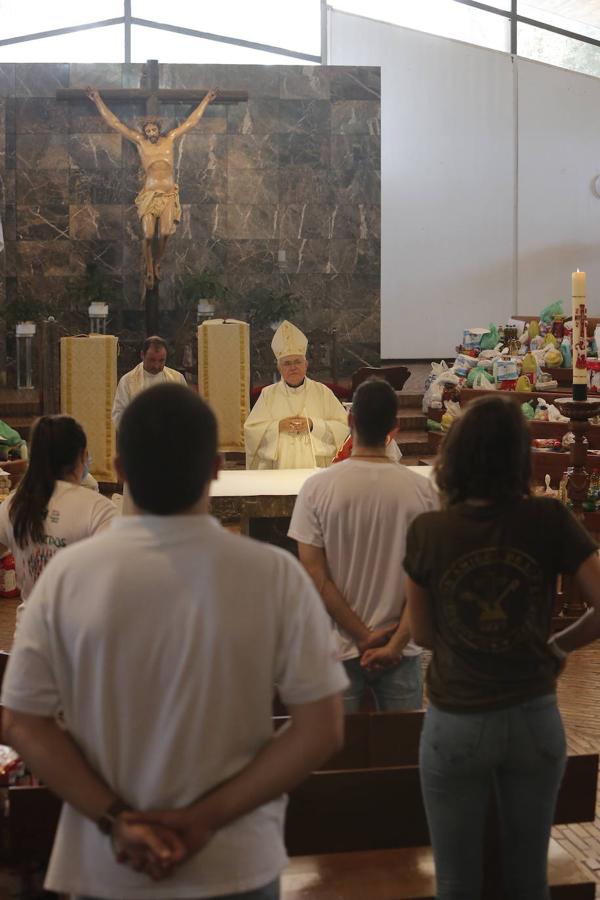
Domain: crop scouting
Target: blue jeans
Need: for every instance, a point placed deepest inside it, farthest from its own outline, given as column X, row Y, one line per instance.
column 397, row 688
column 268, row 892
column 521, row 752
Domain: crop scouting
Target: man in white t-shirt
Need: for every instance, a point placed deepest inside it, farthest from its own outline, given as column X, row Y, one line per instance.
column 149, row 372
column 350, row 522
column 162, row 641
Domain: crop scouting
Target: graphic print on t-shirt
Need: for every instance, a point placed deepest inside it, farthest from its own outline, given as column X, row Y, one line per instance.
column 489, row 597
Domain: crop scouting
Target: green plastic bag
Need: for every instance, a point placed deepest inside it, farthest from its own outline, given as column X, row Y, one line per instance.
column 478, row 370
column 489, row 341
column 555, row 309
column 9, row 436
column 528, row 410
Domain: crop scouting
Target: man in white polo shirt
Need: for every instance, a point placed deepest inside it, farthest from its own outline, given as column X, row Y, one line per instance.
column 350, row 522
column 162, row 641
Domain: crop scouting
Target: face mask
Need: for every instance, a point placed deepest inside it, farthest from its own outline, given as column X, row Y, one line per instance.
column 86, row 467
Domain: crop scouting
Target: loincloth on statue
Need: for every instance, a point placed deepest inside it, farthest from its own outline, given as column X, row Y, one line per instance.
column 154, row 203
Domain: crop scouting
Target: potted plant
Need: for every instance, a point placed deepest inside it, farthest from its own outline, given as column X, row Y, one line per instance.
column 205, row 289
column 264, row 307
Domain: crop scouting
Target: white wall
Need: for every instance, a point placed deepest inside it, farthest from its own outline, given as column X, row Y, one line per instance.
column 559, row 157
column 487, row 166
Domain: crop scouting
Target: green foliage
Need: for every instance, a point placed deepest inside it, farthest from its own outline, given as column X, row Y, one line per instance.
column 202, row 285
column 263, row 306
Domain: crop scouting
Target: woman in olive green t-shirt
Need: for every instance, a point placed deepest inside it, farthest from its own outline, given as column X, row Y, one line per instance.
column 481, row 583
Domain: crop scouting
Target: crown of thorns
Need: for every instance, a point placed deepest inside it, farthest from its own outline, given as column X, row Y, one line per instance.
column 151, row 121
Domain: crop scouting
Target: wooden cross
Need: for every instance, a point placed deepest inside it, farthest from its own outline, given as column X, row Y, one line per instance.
column 151, row 96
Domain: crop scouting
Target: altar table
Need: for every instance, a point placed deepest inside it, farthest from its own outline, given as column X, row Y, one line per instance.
column 263, row 493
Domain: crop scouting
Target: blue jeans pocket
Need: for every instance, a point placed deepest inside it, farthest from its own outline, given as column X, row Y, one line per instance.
column 545, row 726
column 454, row 738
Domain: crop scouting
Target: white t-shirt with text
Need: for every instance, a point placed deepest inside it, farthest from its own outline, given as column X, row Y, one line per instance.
column 162, row 640
column 74, row 513
column 359, row 512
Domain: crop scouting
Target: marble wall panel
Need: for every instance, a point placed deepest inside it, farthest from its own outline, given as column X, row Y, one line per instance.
column 356, row 117
column 42, row 223
column 54, row 291
column 10, row 149
column 354, row 82
column 359, row 185
column 193, row 256
column 305, row 116
column 84, row 118
column 42, row 151
column 95, row 222
column 108, row 255
column 10, row 264
column 2, row 151
column 49, row 258
column 258, row 186
column 98, row 75
column 258, row 81
column 3, row 105
column 309, row 255
column 304, row 220
column 257, row 116
column 7, row 187
column 131, row 75
column 93, row 152
column 251, row 257
column 7, row 79
column 9, row 223
column 249, row 221
column 304, row 83
column 304, row 149
column 10, row 114
column 201, row 222
column 98, row 187
column 38, row 115
column 297, row 183
column 362, row 257
column 40, row 79
column 351, row 151
column 356, row 221
column 197, row 153
column 252, row 151
column 41, row 186
column 206, row 185
column 311, row 289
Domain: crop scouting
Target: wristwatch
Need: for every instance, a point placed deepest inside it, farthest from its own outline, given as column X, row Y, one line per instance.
column 107, row 820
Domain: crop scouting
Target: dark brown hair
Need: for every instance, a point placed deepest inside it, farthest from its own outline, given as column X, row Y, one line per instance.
column 486, row 455
column 57, row 443
column 374, row 411
column 154, row 341
column 174, row 413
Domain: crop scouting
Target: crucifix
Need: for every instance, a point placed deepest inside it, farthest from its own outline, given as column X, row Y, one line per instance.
column 158, row 201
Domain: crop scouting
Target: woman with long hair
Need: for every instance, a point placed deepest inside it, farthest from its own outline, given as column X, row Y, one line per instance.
column 481, row 582
column 50, row 509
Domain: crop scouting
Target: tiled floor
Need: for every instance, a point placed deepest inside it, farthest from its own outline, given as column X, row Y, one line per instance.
column 579, row 697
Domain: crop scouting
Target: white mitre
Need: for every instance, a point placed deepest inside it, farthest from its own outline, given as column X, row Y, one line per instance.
column 288, row 341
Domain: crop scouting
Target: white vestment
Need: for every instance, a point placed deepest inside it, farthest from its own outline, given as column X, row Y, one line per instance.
column 267, row 448
column 132, row 383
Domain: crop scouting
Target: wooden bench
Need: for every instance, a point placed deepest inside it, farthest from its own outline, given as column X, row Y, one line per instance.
column 375, row 740
column 372, row 811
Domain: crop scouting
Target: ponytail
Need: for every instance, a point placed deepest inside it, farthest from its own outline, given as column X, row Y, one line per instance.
column 57, row 442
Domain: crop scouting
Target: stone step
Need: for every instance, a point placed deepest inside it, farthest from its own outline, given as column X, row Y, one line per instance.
column 413, row 443
column 409, row 399
column 411, row 419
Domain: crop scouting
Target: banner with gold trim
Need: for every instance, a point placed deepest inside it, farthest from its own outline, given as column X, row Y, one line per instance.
column 88, row 381
column 224, row 377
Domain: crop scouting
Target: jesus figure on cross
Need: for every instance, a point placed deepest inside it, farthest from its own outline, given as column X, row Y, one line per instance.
column 158, row 201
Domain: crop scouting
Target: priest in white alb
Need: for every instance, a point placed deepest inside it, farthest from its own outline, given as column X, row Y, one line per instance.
column 296, row 423
column 151, row 371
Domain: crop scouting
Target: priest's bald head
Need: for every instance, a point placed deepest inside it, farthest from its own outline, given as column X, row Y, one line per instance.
column 289, row 346
column 171, row 481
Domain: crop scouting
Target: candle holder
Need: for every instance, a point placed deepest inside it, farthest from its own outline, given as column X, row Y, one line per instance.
column 579, row 413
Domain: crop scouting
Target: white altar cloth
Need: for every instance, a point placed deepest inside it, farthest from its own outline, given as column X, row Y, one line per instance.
column 272, row 482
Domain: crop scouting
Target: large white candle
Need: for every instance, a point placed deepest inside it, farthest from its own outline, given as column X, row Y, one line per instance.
column 579, row 335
